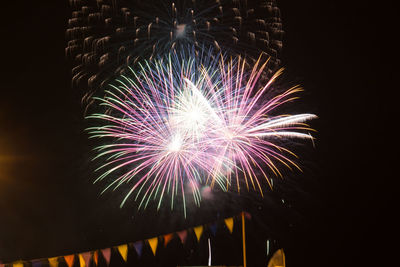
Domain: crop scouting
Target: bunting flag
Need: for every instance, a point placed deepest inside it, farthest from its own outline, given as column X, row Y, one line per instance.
column 69, row 259
column 53, row 262
column 81, row 261
column 107, row 255
column 278, row 259
column 167, row 238
column 39, row 263
column 123, row 250
column 182, row 236
column 96, row 257
column 153, row 242
column 247, row 215
column 138, row 247
column 213, row 228
column 198, row 232
column 84, row 259
column 229, row 224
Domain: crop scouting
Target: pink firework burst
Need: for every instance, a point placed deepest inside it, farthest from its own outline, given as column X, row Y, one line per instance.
column 180, row 121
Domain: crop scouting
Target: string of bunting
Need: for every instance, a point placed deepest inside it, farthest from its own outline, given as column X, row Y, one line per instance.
column 84, row 258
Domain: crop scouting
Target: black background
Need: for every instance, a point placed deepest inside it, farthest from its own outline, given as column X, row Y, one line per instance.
column 333, row 48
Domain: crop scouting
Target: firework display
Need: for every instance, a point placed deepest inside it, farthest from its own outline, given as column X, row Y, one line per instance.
column 182, row 95
column 106, row 36
column 179, row 123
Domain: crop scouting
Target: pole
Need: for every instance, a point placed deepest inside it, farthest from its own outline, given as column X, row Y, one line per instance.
column 209, row 252
column 244, row 240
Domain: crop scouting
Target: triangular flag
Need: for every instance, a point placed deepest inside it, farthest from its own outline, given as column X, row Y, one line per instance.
column 123, row 250
column 138, row 247
column 96, row 257
column 39, row 263
column 278, row 259
column 153, row 244
column 69, row 259
column 213, row 228
column 84, row 259
column 229, row 224
column 167, row 238
column 182, row 235
column 81, row 261
column 198, row 232
column 53, row 262
column 18, row 264
column 106, row 254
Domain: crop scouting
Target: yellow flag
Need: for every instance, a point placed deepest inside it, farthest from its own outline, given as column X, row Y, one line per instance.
column 229, row 224
column 81, row 261
column 53, row 262
column 18, row 264
column 153, row 244
column 198, row 230
column 123, row 250
column 278, row 259
column 84, row 259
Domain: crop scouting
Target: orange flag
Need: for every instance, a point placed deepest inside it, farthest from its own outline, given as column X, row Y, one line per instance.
column 167, row 238
column 153, row 244
column 198, row 231
column 123, row 250
column 53, row 262
column 69, row 259
column 96, row 257
column 229, row 224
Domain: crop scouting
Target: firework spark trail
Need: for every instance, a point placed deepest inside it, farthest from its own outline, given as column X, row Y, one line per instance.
column 178, row 122
column 244, row 133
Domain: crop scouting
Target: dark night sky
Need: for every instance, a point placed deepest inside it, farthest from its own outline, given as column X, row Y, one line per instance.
column 48, row 207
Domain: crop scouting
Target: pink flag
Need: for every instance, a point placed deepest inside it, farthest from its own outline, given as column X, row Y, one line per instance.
column 107, row 255
column 182, row 235
column 247, row 215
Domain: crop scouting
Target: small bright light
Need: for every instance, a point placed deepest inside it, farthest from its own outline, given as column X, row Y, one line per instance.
column 175, row 144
